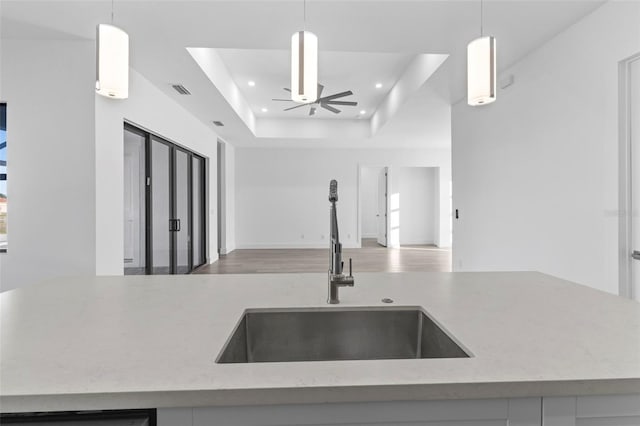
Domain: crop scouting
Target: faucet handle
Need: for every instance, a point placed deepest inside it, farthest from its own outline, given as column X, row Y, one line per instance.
column 350, row 264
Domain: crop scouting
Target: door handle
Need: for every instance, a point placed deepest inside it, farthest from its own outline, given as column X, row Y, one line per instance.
column 636, row 255
column 174, row 225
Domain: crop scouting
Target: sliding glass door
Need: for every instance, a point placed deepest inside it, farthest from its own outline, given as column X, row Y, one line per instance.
column 160, row 214
column 170, row 212
column 182, row 215
column 134, row 203
column 198, row 210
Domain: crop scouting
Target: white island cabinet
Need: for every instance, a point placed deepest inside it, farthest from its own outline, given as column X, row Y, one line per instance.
column 602, row 410
column 495, row 412
column 542, row 351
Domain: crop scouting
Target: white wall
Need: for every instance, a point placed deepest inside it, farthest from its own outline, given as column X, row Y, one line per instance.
column 65, row 156
column 535, row 175
column 418, row 204
column 49, row 90
column 281, row 194
column 149, row 108
column 230, row 208
column 369, row 201
column 226, row 160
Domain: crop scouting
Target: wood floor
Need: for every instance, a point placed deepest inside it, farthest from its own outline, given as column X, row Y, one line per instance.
column 370, row 258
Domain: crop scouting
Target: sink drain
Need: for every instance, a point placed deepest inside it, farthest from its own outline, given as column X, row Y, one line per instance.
column 387, row 300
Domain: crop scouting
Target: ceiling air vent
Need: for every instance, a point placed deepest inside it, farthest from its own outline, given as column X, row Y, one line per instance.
column 218, row 123
column 181, row 89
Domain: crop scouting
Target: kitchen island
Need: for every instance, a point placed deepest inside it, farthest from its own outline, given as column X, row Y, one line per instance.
column 539, row 345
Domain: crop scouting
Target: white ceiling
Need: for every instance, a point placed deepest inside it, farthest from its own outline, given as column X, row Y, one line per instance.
column 338, row 72
column 361, row 41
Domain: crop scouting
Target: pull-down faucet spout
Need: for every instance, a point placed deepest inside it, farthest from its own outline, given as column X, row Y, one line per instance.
column 336, row 276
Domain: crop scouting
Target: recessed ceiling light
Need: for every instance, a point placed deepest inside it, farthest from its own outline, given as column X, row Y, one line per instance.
column 362, row 112
column 378, row 85
column 265, row 110
column 251, row 83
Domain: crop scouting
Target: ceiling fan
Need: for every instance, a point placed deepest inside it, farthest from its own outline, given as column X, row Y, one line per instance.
column 325, row 102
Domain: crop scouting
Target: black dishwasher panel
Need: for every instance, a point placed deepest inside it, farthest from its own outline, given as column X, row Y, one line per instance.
column 145, row 417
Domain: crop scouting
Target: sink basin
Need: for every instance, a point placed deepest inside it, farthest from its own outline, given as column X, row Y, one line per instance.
column 286, row 335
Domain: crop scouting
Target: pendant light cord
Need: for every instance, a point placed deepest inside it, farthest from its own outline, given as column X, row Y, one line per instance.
column 111, row 12
column 304, row 14
column 481, row 18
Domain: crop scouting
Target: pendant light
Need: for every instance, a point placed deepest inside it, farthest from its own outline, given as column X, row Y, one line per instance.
column 112, row 61
column 304, row 64
column 481, row 68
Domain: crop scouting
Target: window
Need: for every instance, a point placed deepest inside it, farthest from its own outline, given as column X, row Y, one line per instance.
column 3, row 177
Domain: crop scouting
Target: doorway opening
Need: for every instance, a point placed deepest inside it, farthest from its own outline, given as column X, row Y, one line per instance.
column 406, row 208
column 373, row 204
column 402, row 206
column 164, row 205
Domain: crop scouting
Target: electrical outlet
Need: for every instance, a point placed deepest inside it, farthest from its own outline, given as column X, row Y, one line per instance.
column 348, row 236
column 322, row 237
column 302, row 236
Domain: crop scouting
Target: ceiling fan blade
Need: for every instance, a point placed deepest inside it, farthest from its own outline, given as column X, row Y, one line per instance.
column 282, row 100
column 320, row 89
column 287, row 89
column 294, row 107
column 341, row 103
column 330, row 108
column 312, row 111
column 337, row 95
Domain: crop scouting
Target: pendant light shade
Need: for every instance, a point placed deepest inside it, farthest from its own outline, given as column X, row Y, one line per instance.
column 112, row 64
column 304, row 67
column 481, row 71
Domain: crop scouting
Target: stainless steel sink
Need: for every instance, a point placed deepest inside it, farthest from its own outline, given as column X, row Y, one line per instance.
column 337, row 334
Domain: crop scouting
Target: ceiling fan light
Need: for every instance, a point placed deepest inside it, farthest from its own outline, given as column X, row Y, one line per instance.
column 112, row 62
column 481, row 71
column 304, row 67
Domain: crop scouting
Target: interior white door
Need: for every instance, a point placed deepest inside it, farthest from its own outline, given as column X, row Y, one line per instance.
column 635, row 174
column 382, row 206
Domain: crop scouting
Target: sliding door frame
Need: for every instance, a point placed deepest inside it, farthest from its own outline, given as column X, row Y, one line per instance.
column 625, row 229
column 203, row 209
column 148, row 217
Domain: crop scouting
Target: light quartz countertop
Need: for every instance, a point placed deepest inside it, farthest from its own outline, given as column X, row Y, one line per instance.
column 152, row 341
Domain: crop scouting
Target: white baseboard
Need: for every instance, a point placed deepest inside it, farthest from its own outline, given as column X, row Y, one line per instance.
column 369, row 235
column 293, row 245
column 311, row 245
column 416, row 243
column 225, row 251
